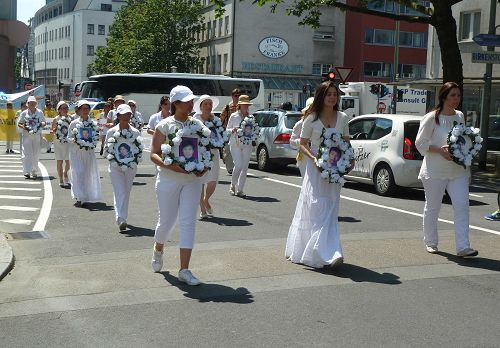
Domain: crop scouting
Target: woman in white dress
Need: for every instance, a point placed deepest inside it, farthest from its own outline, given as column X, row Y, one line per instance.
column 203, row 112
column 60, row 129
column 295, row 137
column 313, row 237
column 84, row 173
column 240, row 152
column 439, row 173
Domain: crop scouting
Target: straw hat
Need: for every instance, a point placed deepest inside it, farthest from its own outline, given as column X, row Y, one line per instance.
column 197, row 104
column 244, row 100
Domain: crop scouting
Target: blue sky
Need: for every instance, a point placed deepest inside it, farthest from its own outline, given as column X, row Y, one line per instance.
column 27, row 9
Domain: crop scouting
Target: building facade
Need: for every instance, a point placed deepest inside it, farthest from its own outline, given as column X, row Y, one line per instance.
column 249, row 41
column 66, row 36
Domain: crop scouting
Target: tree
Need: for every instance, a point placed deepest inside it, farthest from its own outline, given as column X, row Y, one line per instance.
column 152, row 36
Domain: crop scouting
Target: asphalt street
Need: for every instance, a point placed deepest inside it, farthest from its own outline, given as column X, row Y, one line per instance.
column 82, row 283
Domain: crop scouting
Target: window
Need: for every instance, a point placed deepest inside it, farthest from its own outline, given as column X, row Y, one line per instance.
column 214, row 24
column 207, row 68
column 405, row 39
column 209, row 30
column 411, row 71
column 469, row 25
column 359, row 129
column 90, row 50
column 220, row 27
column 383, row 37
column 90, row 29
column 106, row 7
column 225, row 61
column 226, row 25
column 219, row 63
column 381, row 128
column 318, row 68
column 377, row 69
column 101, row 29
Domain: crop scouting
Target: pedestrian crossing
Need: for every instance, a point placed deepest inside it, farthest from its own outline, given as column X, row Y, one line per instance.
column 20, row 199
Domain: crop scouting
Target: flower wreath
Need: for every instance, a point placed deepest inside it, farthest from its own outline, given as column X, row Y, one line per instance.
column 135, row 121
column 332, row 139
column 87, row 145
column 248, row 121
column 222, row 134
column 63, row 121
column 460, row 152
column 174, row 140
column 32, row 123
column 136, row 147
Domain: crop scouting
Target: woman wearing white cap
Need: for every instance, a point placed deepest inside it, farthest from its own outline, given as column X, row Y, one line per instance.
column 136, row 120
column 240, row 152
column 122, row 173
column 85, row 181
column 295, row 138
column 60, row 128
column 203, row 109
column 31, row 122
column 177, row 191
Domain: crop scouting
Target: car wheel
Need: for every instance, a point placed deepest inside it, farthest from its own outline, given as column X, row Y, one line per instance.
column 263, row 162
column 384, row 180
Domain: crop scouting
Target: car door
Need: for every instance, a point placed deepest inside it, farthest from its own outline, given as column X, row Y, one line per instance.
column 359, row 130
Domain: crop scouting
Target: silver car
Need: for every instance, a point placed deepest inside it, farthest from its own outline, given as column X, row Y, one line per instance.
column 273, row 144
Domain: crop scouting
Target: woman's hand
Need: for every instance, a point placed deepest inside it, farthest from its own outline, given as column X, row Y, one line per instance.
column 199, row 174
column 445, row 153
column 234, row 130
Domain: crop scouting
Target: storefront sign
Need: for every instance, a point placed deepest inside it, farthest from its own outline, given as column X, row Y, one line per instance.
column 275, row 68
column 273, row 47
column 486, row 57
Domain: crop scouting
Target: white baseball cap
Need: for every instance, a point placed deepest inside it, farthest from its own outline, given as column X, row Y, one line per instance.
column 181, row 93
column 61, row 103
column 82, row 102
column 197, row 104
column 123, row 109
column 32, row 99
column 132, row 102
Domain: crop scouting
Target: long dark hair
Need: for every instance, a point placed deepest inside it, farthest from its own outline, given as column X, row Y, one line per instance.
column 162, row 101
column 319, row 99
column 442, row 95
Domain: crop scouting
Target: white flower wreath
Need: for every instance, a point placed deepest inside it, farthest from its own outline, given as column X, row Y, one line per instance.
column 133, row 140
column 330, row 139
column 77, row 136
column 33, row 122
column 136, row 121
column 191, row 128
column 245, row 139
column 222, row 135
column 64, row 121
column 461, row 152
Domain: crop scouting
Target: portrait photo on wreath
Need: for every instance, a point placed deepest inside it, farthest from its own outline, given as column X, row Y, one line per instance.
column 86, row 134
column 124, row 152
column 333, row 157
column 188, row 148
column 247, row 131
column 64, row 130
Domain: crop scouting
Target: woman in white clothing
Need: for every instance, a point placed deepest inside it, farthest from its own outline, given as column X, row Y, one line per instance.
column 122, row 176
column 84, row 172
column 240, row 152
column 203, row 109
column 295, row 137
column 177, row 191
column 439, row 173
column 60, row 129
column 313, row 237
column 163, row 112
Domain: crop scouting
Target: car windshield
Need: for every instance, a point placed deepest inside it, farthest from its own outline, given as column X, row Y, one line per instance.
column 291, row 120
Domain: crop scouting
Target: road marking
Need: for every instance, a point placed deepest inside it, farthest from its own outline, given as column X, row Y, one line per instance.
column 47, row 200
column 474, row 195
column 17, row 208
column 17, row 221
column 11, row 170
column 28, row 198
column 19, row 189
column 25, row 182
column 9, row 176
column 13, row 166
column 9, row 162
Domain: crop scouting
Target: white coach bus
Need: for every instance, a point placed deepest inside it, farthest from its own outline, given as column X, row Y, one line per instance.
column 147, row 89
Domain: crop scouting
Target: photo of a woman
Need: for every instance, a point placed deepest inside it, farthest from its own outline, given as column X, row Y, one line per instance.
column 333, row 157
column 189, row 149
column 124, row 151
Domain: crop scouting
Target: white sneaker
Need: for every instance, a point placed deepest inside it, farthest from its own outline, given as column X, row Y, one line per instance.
column 431, row 249
column 122, row 224
column 187, row 277
column 157, row 260
column 232, row 191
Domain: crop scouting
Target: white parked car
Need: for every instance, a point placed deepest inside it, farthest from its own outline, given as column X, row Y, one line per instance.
column 384, row 147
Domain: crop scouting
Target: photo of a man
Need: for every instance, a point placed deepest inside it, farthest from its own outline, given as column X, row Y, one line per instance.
column 247, row 131
column 86, row 134
column 333, row 157
column 189, row 149
column 64, row 130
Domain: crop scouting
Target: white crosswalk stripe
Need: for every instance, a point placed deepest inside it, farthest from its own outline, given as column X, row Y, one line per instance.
column 28, row 198
column 25, row 182
column 18, row 221
column 17, row 208
column 19, row 189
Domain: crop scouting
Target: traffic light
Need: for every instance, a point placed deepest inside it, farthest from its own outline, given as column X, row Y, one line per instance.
column 60, row 85
column 330, row 76
column 304, row 89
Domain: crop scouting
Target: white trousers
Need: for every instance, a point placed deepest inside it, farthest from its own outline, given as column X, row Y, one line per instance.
column 241, row 158
column 30, row 153
column 177, row 199
column 122, row 186
column 458, row 189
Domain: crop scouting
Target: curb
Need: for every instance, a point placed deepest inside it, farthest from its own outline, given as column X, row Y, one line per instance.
column 6, row 257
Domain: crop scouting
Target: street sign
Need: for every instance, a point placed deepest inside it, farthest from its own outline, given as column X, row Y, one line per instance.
column 487, row 40
column 486, row 57
column 343, row 73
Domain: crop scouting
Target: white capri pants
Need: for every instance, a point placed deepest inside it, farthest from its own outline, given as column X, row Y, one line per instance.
column 177, row 199
column 241, row 158
column 458, row 189
column 122, row 186
column 31, row 152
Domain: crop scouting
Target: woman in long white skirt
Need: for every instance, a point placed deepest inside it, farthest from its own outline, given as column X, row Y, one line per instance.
column 60, row 128
column 295, row 138
column 203, row 108
column 85, row 180
column 313, row 237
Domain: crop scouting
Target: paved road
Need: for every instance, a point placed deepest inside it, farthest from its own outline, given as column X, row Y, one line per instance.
column 85, row 284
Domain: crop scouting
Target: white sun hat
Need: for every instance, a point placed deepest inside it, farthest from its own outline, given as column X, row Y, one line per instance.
column 197, row 104
column 181, row 93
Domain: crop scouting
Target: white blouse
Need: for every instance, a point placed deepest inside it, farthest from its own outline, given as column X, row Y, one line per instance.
column 434, row 166
column 234, row 122
column 312, row 129
column 295, row 137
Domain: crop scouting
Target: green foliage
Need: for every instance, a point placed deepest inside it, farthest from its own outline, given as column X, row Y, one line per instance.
column 152, row 36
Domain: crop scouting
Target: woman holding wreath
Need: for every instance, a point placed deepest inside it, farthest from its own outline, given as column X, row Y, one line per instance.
column 439, row 173
column 85, row 180
column 239, row 151
column 203, row 112
column 60, row 128
column 177, row 191
column 122, row 174
column 314, row 237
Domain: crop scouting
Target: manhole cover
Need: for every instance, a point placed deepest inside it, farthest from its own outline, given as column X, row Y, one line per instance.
column 27, row 235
